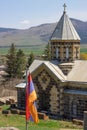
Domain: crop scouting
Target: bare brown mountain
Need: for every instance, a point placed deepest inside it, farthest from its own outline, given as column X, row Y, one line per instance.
column 37, row 35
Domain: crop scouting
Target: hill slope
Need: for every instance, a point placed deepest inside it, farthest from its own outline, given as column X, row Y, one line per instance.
column 37, row 35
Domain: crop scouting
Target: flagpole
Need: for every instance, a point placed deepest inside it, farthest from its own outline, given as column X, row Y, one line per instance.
column 25, row 92
column 26, row 125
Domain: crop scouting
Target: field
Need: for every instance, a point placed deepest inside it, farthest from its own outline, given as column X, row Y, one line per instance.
column 36, row 49
column 18, row 121
column 83, row 48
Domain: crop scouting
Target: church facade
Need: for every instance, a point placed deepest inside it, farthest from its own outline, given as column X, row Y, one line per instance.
column 60, row 84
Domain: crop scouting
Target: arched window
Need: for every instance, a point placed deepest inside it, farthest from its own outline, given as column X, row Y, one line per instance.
column 56, row 53
column 67, row 52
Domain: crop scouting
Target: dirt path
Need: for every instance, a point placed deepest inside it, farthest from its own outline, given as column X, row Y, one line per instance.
column 8, row 128
column 13, row 128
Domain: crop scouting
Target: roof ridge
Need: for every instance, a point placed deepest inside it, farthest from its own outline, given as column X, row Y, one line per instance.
column 57, row 70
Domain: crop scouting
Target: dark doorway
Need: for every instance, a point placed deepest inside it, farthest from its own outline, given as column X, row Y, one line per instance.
column 44, row 101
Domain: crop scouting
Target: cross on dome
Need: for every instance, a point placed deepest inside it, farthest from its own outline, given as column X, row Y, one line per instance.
column 64, row 7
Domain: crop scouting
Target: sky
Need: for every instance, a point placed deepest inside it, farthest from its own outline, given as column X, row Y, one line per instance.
column 23, row 14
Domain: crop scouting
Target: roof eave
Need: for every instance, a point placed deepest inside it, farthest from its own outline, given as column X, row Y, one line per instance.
column 64, row 40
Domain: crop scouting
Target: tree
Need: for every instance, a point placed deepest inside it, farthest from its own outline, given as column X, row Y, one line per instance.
column 21, row 62
column 11, row 61
column 15, row 62
column 47, row 55
column 30, row 58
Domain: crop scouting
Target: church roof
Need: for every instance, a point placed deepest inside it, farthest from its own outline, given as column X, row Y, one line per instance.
column 50, row 66
column 78, row 72
column 65, row 29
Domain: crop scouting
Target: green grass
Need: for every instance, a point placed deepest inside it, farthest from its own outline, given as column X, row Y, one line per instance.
column 5, row 107
column 37, row 50
column 18, row 121
column 83, row 50
column 3, row 51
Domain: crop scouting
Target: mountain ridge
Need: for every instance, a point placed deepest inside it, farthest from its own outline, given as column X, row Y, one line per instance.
column 38, row 35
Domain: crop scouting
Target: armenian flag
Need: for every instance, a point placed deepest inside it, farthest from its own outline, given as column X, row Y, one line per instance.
column 31, row 110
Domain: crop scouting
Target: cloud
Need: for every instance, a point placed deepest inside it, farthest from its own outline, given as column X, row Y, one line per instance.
column 25, row 22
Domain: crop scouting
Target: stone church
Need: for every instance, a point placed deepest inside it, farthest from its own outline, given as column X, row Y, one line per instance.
column 61, row 84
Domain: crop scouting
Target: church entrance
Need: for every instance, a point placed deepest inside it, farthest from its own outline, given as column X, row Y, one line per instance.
column 44, row 101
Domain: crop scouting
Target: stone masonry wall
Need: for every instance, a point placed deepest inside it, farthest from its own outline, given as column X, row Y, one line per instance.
column 49, row 93
column 75, row 104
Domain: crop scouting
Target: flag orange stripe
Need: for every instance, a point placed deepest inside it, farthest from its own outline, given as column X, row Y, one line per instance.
column 32, row 96
column 33, row 112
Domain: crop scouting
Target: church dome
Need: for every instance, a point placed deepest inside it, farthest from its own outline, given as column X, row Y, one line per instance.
column 65, row 29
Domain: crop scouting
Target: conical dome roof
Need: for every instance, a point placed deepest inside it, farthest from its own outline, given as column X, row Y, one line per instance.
column 65, row 29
